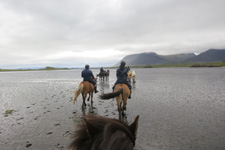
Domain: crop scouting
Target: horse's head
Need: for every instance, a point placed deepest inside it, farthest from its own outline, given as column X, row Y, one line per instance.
column 105, row 134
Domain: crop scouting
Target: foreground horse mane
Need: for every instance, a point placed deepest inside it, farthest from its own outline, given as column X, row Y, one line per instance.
column 101, row 133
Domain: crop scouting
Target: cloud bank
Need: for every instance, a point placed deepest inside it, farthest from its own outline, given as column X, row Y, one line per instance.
column 100, row 33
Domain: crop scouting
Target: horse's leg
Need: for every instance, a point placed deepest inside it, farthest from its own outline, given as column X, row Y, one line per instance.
column 124, row 107
column 91, row 93
column 125, row 104
column 120, row 111
column 84, row 95
column 118, row 100
column 125, row 97
column 88, row 97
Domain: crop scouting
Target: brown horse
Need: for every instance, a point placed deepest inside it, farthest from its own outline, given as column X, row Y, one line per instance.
column 85, row 88
column 101, row 133
column 121, row 92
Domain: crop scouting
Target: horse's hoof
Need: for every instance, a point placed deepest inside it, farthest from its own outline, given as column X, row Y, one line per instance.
column 124, row 112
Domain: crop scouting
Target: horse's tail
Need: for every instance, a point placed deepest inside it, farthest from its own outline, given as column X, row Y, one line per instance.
column 77, row 92
column 111, row 95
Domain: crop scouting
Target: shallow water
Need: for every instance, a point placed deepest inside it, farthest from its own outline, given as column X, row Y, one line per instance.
column 179, row 108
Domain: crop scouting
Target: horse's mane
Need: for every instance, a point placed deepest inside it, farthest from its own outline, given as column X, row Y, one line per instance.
column 100, row 133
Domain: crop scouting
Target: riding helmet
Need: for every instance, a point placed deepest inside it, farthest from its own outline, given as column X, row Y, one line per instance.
column 123, row 63
column 87, row 66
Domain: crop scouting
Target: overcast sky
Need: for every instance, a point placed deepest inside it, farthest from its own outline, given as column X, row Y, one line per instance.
column 72, row 33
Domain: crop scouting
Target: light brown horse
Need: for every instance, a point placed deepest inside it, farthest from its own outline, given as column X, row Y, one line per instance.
column 102, row 133
column 131, row 75
column 85, row 88
column 121, row 92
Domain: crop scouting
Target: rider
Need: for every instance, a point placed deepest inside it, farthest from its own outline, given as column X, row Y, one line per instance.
column 101, row 70
column 88, row 76
column 121, row 74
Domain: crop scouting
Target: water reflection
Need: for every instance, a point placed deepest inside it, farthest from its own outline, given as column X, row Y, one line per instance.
column 90, row 109
column 133, row 86
column 104, row 85
column 123, row 118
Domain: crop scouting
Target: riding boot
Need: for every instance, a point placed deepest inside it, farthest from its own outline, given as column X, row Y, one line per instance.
column 95, row 89
column 130, row 95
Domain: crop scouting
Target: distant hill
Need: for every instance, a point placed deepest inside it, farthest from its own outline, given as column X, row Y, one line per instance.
column 152, row 58
column 143, row 59
column 178, row 57
column 210, row 55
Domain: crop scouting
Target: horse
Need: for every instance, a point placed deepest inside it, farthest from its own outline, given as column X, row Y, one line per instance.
column 103, row 75
column 121, row 92
column 85, row 88
column 131, row 75
column 102, row 133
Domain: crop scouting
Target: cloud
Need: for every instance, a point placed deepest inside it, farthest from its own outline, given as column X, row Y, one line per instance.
column 42, row 31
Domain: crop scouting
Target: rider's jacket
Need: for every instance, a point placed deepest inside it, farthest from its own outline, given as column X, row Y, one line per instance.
column 87, row 75
column 121, row 74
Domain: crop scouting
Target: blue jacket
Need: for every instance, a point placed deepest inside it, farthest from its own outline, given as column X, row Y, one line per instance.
column 87, row 75
column 121, row 74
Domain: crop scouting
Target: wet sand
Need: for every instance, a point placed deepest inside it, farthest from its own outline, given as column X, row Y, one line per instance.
column 178, row 108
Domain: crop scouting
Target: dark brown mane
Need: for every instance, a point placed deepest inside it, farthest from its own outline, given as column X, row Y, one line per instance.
column 104, row 133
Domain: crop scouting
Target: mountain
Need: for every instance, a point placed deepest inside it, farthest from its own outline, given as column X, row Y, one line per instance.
column 211, row 55
column 152, row 58
column 143, row 59
column 178, row 57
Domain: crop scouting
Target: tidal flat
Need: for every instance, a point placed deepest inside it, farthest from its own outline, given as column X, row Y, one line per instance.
column 179, row 108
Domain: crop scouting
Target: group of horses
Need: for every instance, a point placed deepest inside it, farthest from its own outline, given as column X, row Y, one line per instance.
column 100, row 133
column 121, row 91
column 104, row 75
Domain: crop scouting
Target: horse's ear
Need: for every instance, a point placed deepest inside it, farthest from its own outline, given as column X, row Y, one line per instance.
column 134, row 126
column 91, row 130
